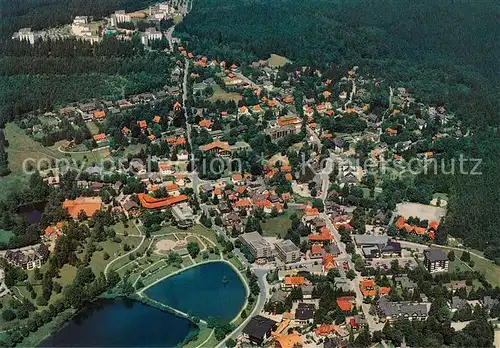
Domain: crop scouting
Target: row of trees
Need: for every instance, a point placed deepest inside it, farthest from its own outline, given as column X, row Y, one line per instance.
column 4, row 161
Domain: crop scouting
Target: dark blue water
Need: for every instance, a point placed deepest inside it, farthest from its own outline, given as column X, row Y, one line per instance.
column 32, row 212
column 121, row 323
column 200, row 291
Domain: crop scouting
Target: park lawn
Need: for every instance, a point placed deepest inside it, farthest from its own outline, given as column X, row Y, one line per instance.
column 120, row 229
column 142, row 249
column 213, row 256
column 162, row 272
column 186, row 262
column 98, row 264
column 166, row 229
column 235, row 262
column 131, row 267
column 196, row 229
column 66, row 275
column 203, row 334
column 203, row 231
column 5, row 235
column 220, row 94
column 201, row 243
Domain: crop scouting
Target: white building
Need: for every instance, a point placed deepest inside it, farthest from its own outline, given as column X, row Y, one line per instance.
column 149, row 35
column 25, row 34
column 81, row 20
column 119, row 17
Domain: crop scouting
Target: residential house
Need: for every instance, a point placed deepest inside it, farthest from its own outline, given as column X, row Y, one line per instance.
column 346, row 303
column 28, row 258
column 307, row 291
column 292, row 340
column 304, row 314
column 259, row 329
column 405, row 283
column 293, row 281
column 392, row 311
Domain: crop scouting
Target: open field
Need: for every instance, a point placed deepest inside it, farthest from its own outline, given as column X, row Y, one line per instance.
column 133, row 149
column 93, row 128
column 22, row 147
column 278, row 225
column 458, row 265
column 422, row 211
column 220, row 94
column 177, row 18
column 488, row 268
column 276, row 61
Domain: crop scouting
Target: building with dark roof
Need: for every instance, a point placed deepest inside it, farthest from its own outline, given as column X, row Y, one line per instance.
column 392, row 311
column 28, row 258
column 305, row 313
column 436, row 260
column 335, row 342
column 259, row 329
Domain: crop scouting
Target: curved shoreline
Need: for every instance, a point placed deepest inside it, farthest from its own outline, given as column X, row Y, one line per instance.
column 141, row 294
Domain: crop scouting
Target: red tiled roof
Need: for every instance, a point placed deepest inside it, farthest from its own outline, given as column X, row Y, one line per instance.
column 205, row 123
column 294, row 280
column 400, row 223
column 99, row 137
column 99, row 114
column 149, row 202
column 216, row 144
column 316, row 249
column 345, row 303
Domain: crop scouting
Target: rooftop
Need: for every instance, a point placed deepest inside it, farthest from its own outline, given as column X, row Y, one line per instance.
column 287, row 246
column 435, row 254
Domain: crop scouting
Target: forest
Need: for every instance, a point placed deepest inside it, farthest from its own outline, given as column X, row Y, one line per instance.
column 443, row 52
column 51, row 74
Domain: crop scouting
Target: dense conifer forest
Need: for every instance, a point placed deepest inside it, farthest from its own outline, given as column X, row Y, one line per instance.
column 445, row 52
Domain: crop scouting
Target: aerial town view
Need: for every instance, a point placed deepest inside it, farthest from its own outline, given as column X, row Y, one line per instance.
column 238, row 173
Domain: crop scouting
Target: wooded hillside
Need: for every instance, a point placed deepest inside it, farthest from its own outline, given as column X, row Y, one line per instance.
column 444, row 52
